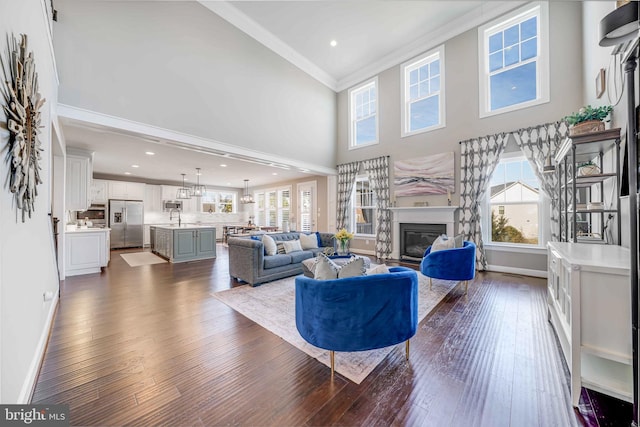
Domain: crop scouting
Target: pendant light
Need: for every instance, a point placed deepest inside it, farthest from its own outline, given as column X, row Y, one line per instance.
column 183, row 192
column 198, row 190
column 246, row 197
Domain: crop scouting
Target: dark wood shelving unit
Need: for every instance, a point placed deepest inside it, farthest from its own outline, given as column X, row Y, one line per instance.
column 577, row 149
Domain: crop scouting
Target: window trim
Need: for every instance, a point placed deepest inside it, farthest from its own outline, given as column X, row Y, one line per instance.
column 353, row 225
column 265, row 211
column 405, row 68
column 544, row 227
column 351, row 94
column 541, row 10
column 218, row 192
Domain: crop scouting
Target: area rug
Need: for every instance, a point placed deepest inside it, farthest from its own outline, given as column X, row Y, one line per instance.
column 136, row 259
column 272, row 306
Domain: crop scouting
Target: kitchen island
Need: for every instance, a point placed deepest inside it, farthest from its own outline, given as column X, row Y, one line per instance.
column 183, row 243
column 87, row 250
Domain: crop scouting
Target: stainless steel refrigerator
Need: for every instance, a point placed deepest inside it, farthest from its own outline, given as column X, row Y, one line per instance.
column 125, row 221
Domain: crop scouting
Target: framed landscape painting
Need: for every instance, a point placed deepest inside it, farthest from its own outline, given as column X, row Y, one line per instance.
column 424, row 175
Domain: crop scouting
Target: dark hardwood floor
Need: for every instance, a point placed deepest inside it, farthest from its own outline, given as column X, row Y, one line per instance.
column 150, row 346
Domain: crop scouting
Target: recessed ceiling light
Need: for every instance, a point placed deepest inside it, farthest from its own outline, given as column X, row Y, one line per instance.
column 228, row 183
column 127, row 173
column 223, row 165
column 135, row 166
column 333, row 43
column 275, row 173
column 149, row 153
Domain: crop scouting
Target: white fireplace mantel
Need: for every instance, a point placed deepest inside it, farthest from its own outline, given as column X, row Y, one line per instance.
column 421, row 215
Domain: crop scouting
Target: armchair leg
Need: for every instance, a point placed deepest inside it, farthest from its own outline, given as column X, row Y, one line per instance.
column 407, row 350
column 430, row 283
column 332, row 355
column 466, row 286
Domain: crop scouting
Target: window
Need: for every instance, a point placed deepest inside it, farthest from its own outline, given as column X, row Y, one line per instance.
column 515, row 203
column 514, row 70
column 422, row 95
column 363, row 202
column 218, row 201
column 363, row 117
column 272, row 207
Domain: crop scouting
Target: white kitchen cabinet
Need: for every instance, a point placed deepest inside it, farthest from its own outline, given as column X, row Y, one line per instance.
column 169, row 192
column 126, row 190
column 78, row 181
column 589, row 307
column 86, row 251
column 152, row 198
column 99, row 191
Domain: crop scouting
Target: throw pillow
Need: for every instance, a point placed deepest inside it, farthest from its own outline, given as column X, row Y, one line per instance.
column 291, row 246
column 379, row 269
column 270, row 247
column 442, row 242
column 308, row 241
column 459, row 241
column 325, row 269
column 280, row 248
column 353, row 268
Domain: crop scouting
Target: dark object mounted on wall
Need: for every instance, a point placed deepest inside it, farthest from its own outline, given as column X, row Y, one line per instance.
column 619, row 26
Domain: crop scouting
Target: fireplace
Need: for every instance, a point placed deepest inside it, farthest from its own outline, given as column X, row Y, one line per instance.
column 416, row 238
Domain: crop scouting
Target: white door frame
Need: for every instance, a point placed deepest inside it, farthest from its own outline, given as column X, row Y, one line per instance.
column 313, row 186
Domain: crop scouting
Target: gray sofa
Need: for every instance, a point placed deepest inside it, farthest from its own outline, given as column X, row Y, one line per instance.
column 248, row 263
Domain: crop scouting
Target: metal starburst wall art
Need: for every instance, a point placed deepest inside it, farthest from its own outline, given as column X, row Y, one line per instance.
column 22, row 103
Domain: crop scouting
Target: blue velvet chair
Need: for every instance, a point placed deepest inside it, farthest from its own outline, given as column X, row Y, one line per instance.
column 358, row 313
column 450, row 264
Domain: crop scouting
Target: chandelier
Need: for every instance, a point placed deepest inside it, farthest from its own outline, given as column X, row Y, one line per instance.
column 246, row 197
column 183, row 192
column 198, row 190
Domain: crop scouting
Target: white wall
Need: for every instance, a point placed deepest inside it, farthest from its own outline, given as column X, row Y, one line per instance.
column 462, row 116
column 179, row 66
column 27, row 263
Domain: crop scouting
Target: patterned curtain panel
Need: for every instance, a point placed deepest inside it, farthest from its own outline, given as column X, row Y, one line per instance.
column 346, row 179
column 539, row 143
column 479, row 158
column 378, row 172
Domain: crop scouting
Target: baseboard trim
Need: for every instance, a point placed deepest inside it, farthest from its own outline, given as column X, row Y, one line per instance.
column 32, row 374
column 516, row 270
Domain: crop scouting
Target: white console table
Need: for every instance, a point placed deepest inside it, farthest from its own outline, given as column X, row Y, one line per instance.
column 589, row 302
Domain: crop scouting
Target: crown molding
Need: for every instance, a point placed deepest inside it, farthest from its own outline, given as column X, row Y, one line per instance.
column 478, row 16
column 107, row 123
column 247, row 25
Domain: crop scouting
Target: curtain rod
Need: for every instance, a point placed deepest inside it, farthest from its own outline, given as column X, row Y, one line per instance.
column 558, row 123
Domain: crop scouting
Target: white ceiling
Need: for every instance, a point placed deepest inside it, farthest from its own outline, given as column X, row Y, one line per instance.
column 371, row 36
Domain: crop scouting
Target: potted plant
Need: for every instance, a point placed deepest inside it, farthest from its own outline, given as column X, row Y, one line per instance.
column 342, row 241
column 588, row 119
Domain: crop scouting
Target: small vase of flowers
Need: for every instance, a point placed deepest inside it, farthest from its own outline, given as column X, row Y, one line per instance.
column 342, row 241
column 588, row 119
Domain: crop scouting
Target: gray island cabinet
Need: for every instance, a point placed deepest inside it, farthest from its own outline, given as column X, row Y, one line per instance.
column 184, row 243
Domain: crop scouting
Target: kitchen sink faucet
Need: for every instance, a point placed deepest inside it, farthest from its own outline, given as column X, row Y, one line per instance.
column 171, row 215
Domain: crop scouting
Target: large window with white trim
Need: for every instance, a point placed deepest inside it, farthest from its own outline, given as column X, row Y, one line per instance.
column 272, row 206
column 218, row 201
column 363, row 204
column 514, row 71
column 514, row 202
column 363, row 114
column 423, row 93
